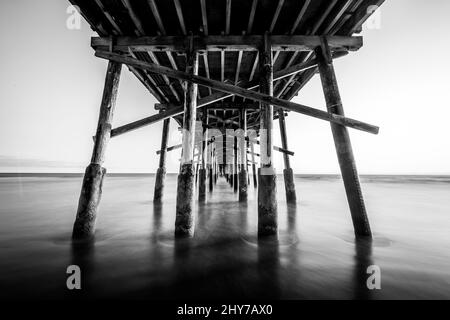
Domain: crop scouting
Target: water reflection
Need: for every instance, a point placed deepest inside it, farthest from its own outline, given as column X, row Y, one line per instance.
column 83, row 255
column 362, row 260
column 268, row 266
column 292, row 219
column 157, row 220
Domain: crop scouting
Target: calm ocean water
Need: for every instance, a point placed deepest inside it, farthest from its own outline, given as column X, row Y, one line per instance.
column 135, row 255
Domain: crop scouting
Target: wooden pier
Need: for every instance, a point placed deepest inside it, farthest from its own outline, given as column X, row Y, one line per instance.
column 232, row 68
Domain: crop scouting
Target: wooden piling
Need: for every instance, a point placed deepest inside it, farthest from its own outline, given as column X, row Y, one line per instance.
column 203, row 152
column 243, row 155
column 342, row 142
column 235, row 166
column 255, row 178
column 184, row 222
column 288, row 173
column 267, row 199
column 161, row 172
column 91, row 190
column 212, row 167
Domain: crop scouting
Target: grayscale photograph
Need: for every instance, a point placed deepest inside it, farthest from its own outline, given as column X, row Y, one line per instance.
column 205, row 151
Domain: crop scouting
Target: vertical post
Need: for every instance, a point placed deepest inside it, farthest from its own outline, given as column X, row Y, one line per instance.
column 288, row 174
column 216, row 164
column 235, row 165
column 211, row 165
column 224, row 153
column 252, row 150
column 91, row 190
column 342, row 142
column 184, row 221
column 267, row 191
column 197, row 165
column 243, row 156
column 161, row 172
column 203, row 147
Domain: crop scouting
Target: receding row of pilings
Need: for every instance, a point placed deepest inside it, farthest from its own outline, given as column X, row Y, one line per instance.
column 265, row 179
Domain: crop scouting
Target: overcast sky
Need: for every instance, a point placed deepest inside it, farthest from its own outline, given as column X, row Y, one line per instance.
column 51, row 87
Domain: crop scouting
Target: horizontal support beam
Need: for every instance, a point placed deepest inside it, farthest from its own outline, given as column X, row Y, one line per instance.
column 252, row 106
column 231, row 89
column 146, row 121
column 282, row 150
column 223, row 43
column 279, row 149
column 177, row 146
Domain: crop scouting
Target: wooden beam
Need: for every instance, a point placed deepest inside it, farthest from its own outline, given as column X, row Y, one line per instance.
column 252, row 16
column 342, row 142
column 228, row 17
column 161, row 172
column 222, row 66
column 156, row 15
column 300, row 16
column 177, row 146
column 231, row 89
column 324, row 15
column 184, row 221
column 238, row 70
column 223, row 42
column 166, row 79
column 206, row 65
column 157, row 92
column 204, row 17
column 279, row 149
column 147, row 121
column 337, row 16
column 134, row 16
column 111, row 20
column 84, row 226
column 276, row 15
column 267, row 191
column 255, row 84
column 180, row 16
column 288, row 173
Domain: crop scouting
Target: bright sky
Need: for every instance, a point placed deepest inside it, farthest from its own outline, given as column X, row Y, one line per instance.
column 51, row 87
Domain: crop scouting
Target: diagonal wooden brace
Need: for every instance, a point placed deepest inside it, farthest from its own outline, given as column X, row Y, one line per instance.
column 245, row 93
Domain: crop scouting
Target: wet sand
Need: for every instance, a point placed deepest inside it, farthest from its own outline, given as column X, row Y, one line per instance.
column 134, row 254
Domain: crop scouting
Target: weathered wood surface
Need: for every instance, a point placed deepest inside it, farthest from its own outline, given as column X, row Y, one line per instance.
column 342, row 142
column 167, row 23
column 223, row 43
column 254, row 84
column 107, row 107
column 203, row 146
column 243, row 183
column 254, row 172
column 184, row 221
column 289, row 184
column 91, row 189
column 256, row 96
column 161, row 172
column 267, row 191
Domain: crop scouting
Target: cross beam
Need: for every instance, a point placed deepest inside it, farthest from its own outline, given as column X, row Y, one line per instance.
column 223, row 43
column 231, row 89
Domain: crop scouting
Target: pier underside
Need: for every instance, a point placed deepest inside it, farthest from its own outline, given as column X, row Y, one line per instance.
column 224, row 71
